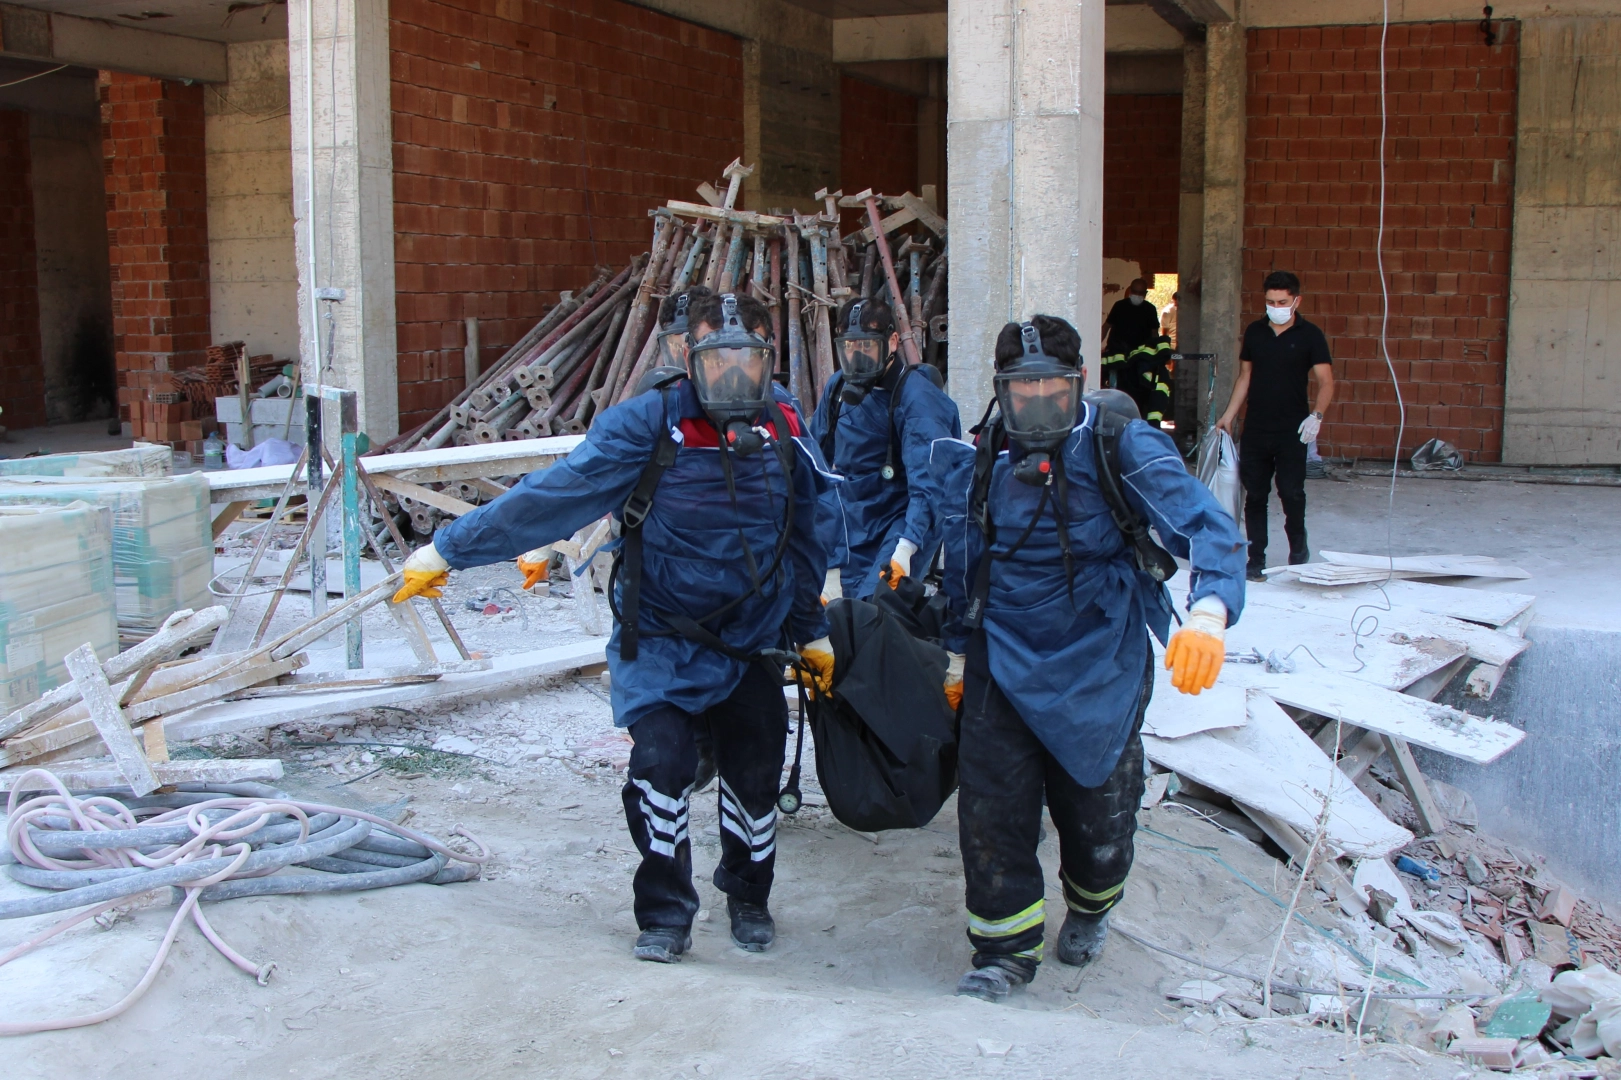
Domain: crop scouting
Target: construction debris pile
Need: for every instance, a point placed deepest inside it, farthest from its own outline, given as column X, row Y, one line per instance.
column 592, row 348
column 176, row 408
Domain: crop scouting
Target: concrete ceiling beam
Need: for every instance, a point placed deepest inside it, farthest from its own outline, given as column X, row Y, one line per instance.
column 93, row 43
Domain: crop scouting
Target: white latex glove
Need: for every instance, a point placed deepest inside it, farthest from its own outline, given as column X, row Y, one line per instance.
column 832, row 587
column 1309, row 427
column 900, row 563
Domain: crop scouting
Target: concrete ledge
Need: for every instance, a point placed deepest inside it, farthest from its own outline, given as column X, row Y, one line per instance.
column 93, row 43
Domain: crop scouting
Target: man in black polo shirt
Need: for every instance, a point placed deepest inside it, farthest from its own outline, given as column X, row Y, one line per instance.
column 1279, row 352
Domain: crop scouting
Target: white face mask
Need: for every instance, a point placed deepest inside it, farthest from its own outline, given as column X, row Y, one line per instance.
column 1135, row 299
column 1280, row 315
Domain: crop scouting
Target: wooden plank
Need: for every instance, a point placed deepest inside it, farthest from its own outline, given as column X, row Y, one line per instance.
column 215, row 689
column 1436, row 727
column 1270, row 764
column 222, row 717
column 1432, row 565
column 109, row 720
column 178, row 632
column 1430, row 818
column 889, row 224
column 924, row 212
column 85, row 775
column 156, row 746
column 448, row 503
column 301, row 637
column 232, row 511
column 416, row 466
column 717, row 213
column 488, row 486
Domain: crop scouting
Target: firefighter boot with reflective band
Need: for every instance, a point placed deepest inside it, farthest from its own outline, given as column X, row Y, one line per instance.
column 993, row 983
column 1080, row 941
column 662, row 944
column 753, row 929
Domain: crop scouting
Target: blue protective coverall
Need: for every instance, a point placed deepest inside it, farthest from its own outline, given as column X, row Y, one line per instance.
column 1072, row 663
column 863, row 517
column 693, row 558
column 1057, row 681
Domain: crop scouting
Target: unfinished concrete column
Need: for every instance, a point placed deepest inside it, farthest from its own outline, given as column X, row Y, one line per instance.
column 351, row 224
column 1025, row 177
column 1190, row 220
column 1222, row 270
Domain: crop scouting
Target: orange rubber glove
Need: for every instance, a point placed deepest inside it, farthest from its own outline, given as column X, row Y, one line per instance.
column 900, row 563
column 1196, row 652
column 818, row 656
column 953, row 685
column 425, row 572
column 535, row 566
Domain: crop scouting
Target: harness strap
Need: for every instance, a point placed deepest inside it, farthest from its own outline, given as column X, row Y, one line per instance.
column 634, row 515
column 835, row 407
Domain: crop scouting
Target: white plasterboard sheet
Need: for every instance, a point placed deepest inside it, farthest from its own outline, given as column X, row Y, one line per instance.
column 1484, row 644
column 1174, row 715
column 1433, row 565
column 1422, row 723
column 1490, row 607
column 1270, row 764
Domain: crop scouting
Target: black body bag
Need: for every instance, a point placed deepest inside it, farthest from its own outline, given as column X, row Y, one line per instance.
column 886, row 739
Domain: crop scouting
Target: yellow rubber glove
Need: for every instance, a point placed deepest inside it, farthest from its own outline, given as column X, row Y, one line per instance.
column 425, row 572
column 535, row 566
column 832, row 587
column 818, row 656
column 900, row 563
column 953, row 685
column 1195, row 654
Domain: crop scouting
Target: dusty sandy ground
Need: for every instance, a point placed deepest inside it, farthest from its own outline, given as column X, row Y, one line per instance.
column 528, row 971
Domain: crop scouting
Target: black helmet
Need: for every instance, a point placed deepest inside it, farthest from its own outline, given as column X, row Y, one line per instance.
column 672, row 350
column 1039, row 396
column 658, row 378
column 731, row 373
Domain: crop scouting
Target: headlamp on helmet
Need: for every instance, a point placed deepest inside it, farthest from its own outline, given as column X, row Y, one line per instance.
column 1039, row 398
column 862, row 355
column 731, row 374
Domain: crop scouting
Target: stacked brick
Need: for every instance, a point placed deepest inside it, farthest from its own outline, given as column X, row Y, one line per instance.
column 1312, row 206
column 530, row 138
column 1142, row 179
column 157, row 227
column 22, row 372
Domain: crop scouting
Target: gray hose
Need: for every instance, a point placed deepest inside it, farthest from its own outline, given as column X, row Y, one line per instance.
column 283, row 885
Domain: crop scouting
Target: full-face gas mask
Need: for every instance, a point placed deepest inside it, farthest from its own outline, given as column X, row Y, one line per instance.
column 1039, row 398
column 731, row 374
column 862, row 356
column 672, row 350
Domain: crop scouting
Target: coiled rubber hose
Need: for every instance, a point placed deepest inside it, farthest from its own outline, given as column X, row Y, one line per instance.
column 204, row 842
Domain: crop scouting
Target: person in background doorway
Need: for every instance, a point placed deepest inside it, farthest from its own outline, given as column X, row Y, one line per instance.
column 1279, row 352
column 1167, row 319
column 1132, row 322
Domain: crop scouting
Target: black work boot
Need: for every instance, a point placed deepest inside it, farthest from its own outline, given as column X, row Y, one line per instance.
column 753, row 929
column 992, row 983
column 1080, row 940
column 662, row 944
column 1255, row 572
column 1300, row 555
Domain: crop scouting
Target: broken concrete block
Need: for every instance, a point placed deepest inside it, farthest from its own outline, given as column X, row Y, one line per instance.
column 1531, row 1054
column 1457, row 1022
column 1474, row 869
column 1203, row 1023
column 1492, row 1053
column 1154, row 789
column 1399, row 1022
column 992, row 1048
column 1558, row 905
column 1199, row 991
column 1482, row 682
column 1457, row 804
column 1553, row 945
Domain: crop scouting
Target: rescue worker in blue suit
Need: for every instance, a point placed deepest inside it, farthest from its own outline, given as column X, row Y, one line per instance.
column 718, row 575
column 1053, row 615
column 875, row 423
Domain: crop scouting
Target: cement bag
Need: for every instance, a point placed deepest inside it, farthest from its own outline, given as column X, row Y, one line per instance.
column 1218, row 470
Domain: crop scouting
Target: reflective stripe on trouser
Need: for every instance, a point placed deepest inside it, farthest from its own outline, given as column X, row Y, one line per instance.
column 1004, row 771
column 749, row 731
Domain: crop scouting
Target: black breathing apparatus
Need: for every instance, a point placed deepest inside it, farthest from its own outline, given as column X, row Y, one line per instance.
column 731, row 374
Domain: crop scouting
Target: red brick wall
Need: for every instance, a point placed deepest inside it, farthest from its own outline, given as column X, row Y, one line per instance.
column 529, row 146
column 1311, row 206
column 877, row 142
column 1142, row 179
column 157, row 224
column 22, row 371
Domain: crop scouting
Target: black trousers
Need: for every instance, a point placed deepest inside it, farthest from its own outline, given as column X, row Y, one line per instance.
column 1261, row 458
column 749, row 730
column 1004, row 771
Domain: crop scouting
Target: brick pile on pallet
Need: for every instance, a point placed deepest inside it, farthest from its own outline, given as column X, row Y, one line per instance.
column 176, row 408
